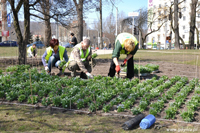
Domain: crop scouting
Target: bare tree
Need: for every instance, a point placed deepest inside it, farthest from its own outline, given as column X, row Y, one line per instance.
column 197, row 30
column 45, row 5
column 145, row 20
column 192, row 22
column 176, row 26
column 83, row 6
column 61, row 11
column 22, row 41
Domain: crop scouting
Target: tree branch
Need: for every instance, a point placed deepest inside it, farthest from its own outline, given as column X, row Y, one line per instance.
column 19, row 5
column 37, row 1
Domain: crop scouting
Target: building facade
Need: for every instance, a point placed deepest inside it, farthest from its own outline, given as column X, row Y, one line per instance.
column 160, row 17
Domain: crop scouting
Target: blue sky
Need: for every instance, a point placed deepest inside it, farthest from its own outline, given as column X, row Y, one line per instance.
column 125, row 6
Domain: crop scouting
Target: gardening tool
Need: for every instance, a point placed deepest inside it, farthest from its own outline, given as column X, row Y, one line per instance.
column 122, row 65
column 118, row 74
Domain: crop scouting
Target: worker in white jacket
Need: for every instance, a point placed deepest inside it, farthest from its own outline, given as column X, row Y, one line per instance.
column 32, row 51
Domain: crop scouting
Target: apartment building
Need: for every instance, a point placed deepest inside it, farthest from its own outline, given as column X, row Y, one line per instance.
column 160, row 13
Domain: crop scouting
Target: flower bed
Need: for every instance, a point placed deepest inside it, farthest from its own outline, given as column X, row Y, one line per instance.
column 26, row 85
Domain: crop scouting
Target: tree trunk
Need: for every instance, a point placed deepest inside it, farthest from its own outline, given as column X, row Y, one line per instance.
column 47, row 32
column 22, row 49
column 46, row 11
column 197, row 31
column 192, row 22
column 79, row 9
column 176, row 27
column 80, row 25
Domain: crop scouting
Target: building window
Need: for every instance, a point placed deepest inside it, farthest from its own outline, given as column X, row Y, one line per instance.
column 184, row 8
column 159, row 21
column 183, row 36
column 158, row 37
column 183, row 27
column 159, row 13
column 184, row 18
column 198, row 15
column 198, row 25
column 159, row 5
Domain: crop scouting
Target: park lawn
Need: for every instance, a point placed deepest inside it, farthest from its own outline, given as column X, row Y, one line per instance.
column 27, row 119
column 13, row 51
column 190, row 57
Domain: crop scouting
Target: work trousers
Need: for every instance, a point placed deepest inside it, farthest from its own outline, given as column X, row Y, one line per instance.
column 73, row 66
column 129, row 72
column 30, row 55
column 53, row 62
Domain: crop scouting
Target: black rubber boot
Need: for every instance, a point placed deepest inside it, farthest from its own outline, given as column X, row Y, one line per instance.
column 83, row 75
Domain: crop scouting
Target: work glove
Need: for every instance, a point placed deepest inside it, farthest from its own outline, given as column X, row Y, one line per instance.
column 117, row 68
column 124, row 63
column 89, row 75
column 46, row 68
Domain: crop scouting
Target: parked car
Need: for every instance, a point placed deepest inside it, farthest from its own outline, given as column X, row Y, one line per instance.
column 39, row 44
column 67, row 45
column 8, row 44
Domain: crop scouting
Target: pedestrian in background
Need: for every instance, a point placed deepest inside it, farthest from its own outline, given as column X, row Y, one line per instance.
column 79, row 59
column 32, row 51
column 54, row 55
column 125, row 43
column 109, row 46
column 73, row 40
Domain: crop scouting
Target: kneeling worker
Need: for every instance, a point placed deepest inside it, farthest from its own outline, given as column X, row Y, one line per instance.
column 54, row 55
column 32, row 51
column 125, row 43
column 79, row 59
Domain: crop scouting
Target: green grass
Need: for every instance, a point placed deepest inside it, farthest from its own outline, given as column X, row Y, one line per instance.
column 179, row 56
column 176, row 56
column 28, row 119
column 13, row 51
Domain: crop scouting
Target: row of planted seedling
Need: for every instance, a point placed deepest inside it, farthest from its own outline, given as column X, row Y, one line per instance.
column 192, row 105
column 179, row 98
column 158, row 106
column 148, row 68
column 156, row 92
column 27, row 85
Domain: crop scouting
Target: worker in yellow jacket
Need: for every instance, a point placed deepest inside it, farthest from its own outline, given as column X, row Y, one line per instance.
column 79, row 59
column 125, row 43
column 54, row 55
column 32, row 51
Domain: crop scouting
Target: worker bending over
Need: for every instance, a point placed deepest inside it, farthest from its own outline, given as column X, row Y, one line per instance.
column 79, row 59
column 125, row 43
